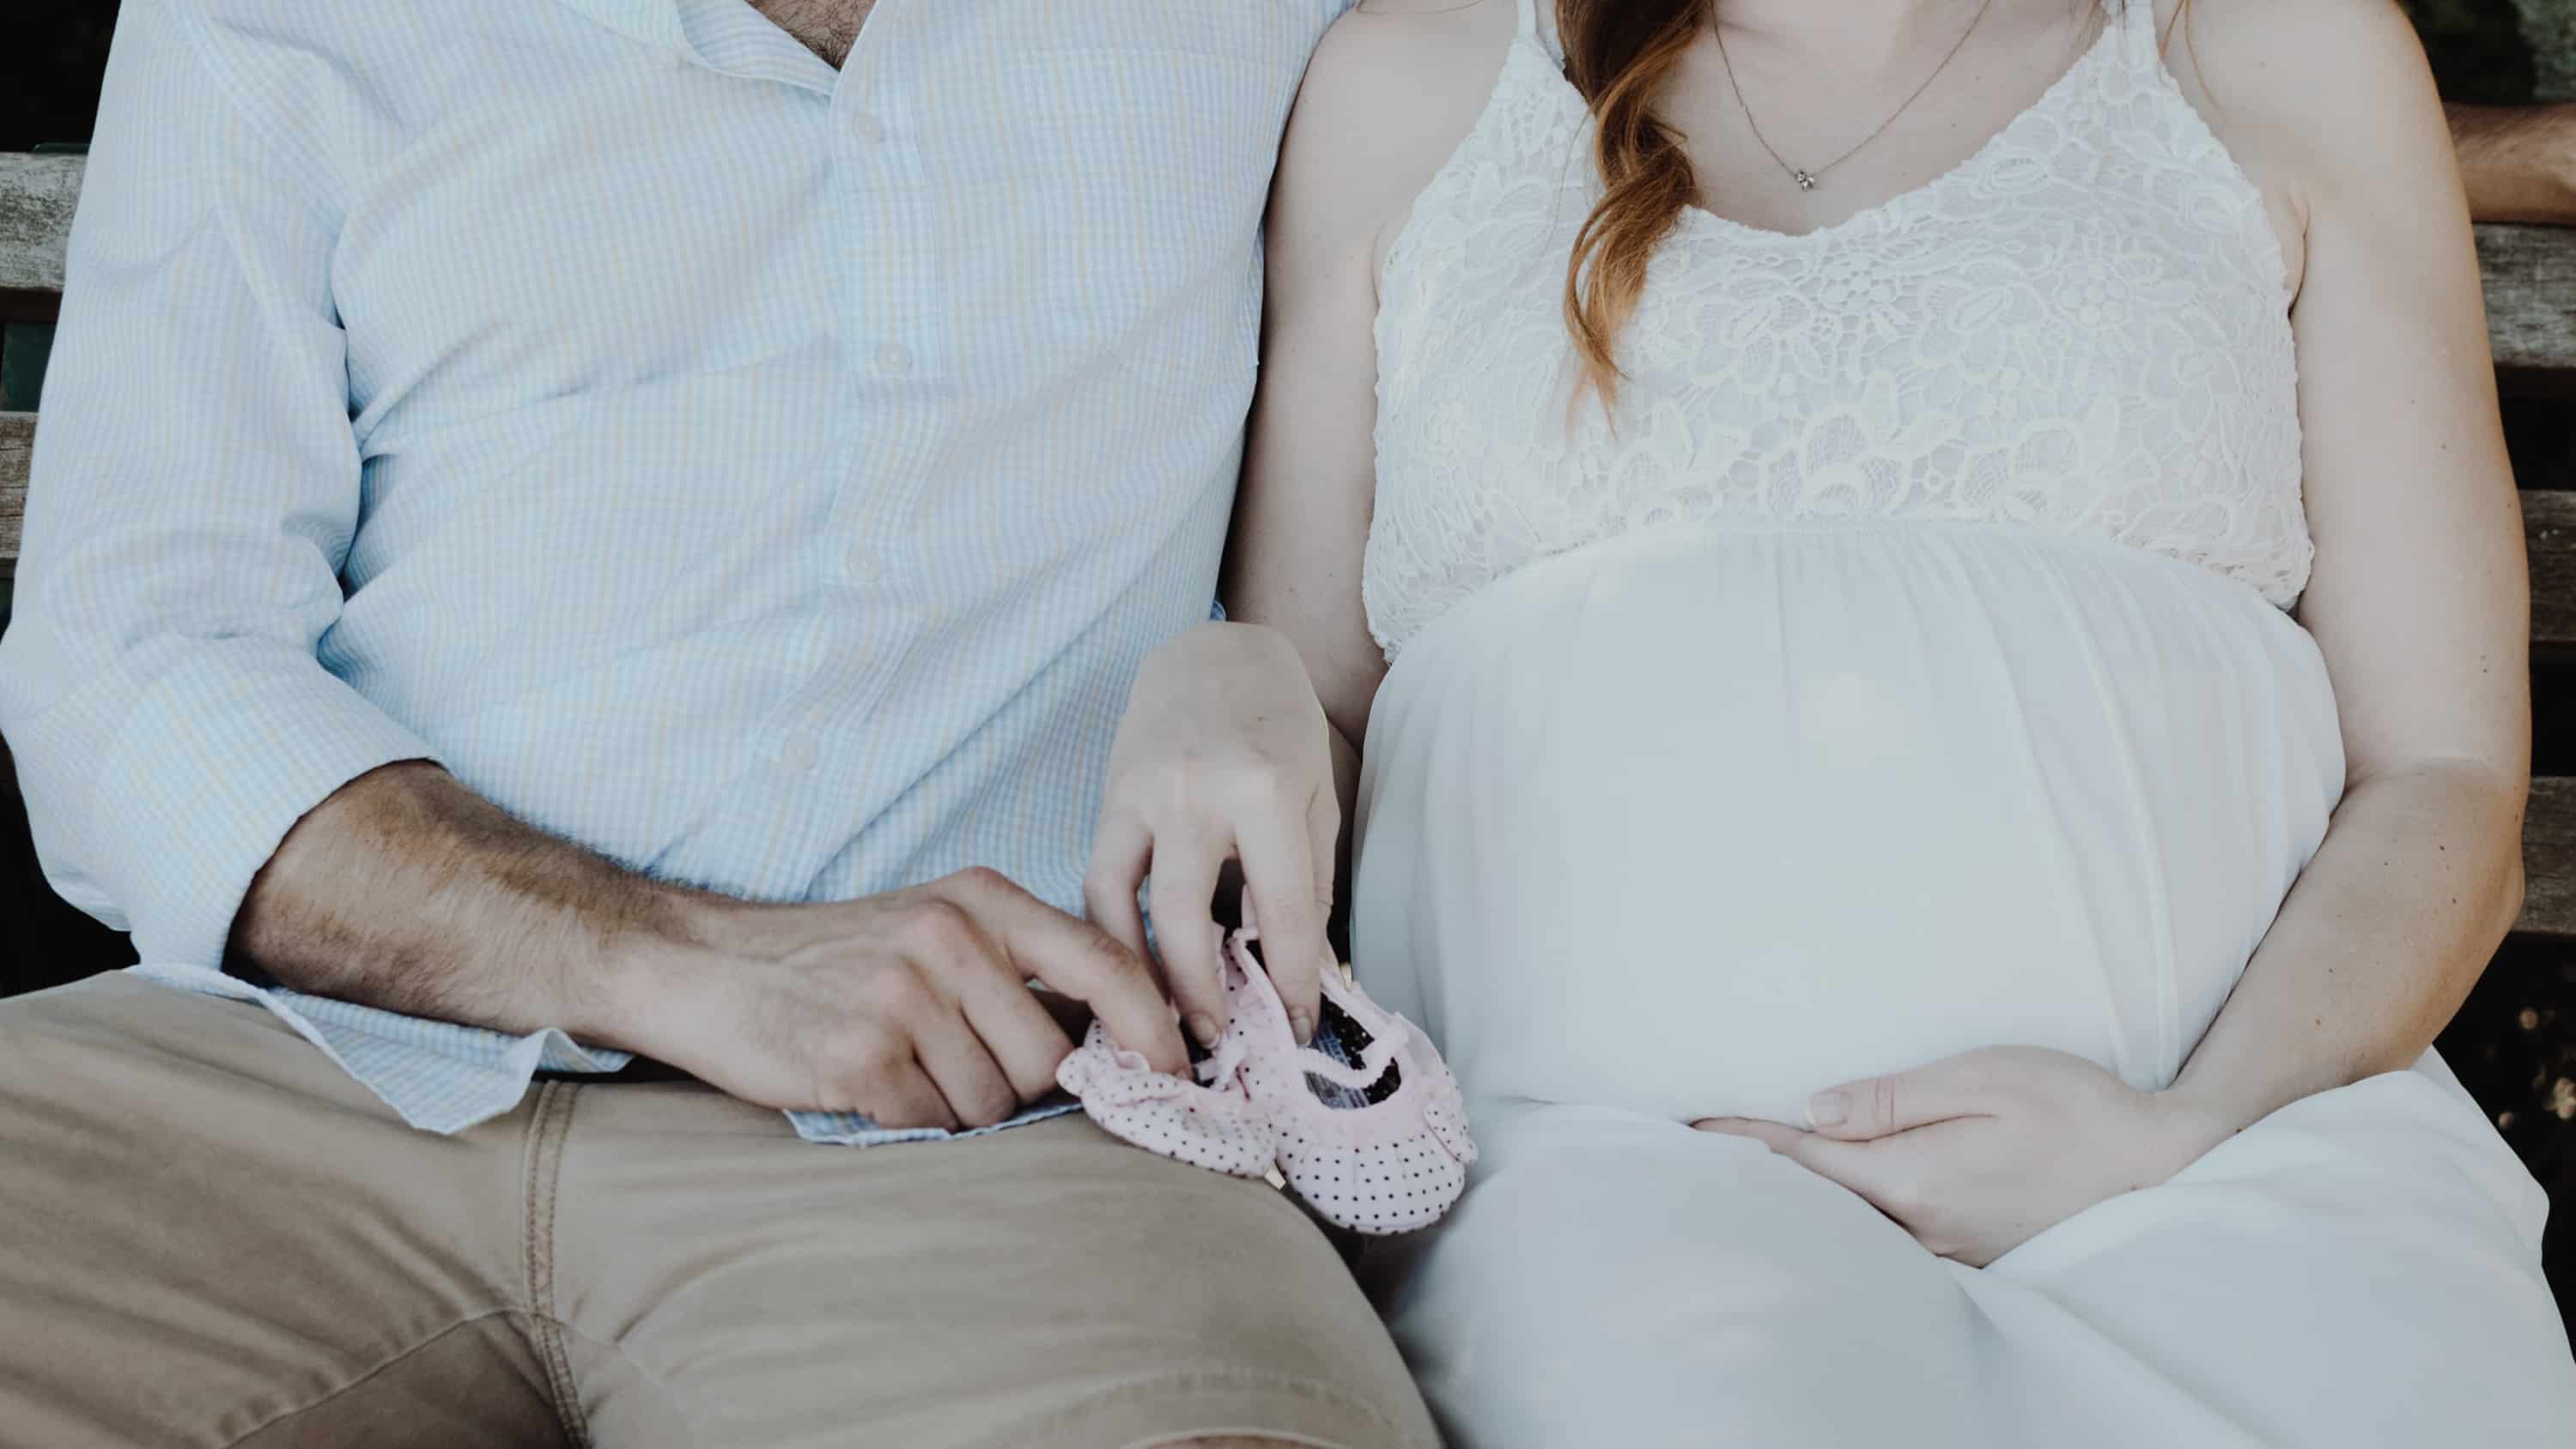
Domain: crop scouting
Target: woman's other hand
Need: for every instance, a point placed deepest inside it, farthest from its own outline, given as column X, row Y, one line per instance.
column 1977, row 1153
column 1224, row 754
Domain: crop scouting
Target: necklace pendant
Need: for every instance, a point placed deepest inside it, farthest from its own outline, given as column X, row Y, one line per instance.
column 1805, row 181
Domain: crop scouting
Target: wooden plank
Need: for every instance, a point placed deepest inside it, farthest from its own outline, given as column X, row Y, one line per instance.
column 2549, row 860
column 17, row 440
column 2549, row 539
column 2530, row 276
column 37, row 194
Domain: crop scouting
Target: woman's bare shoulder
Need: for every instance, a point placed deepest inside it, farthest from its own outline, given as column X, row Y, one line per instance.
column 2310, row 95
column 1392, row 89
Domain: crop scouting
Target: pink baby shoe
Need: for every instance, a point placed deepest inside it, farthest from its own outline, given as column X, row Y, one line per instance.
column 1208, row 1123
column 1366, row 1124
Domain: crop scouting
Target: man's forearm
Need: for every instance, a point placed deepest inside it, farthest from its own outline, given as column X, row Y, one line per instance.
column 2518, row 162
column 407, row 891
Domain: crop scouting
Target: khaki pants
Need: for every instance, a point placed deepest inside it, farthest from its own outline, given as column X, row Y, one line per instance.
column 210, row 1235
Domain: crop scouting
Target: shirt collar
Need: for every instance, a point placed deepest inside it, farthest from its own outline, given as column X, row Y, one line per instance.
column 726, row 36
column 655, row 22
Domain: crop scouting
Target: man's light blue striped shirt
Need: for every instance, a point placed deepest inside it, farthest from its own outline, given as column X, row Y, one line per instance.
column 769, row 476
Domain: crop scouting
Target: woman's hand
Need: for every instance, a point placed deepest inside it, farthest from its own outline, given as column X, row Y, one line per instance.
column 1979, row 1152
column 1225, row 754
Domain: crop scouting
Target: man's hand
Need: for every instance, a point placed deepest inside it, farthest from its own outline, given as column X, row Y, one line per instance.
column 407, row 891
column 1224, row 755
column 2517, row 163
column 1975, row 1154
column 911, row 1008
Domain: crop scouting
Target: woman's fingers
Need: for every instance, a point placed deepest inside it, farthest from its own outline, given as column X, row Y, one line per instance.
column 1775, row 1135
column 1120, row 851
column 1279, row 872
column 1902, row 1101
column 1880, row 1172
column 1185, row 869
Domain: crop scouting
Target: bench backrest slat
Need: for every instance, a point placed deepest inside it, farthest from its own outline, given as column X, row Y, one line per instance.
column 2530, row 276
column 36, row 198
column 17, row 439
column 2549, row 859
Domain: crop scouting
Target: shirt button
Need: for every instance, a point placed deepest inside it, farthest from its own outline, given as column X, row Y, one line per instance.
column 863, row 564
column 895, row 358
column 799, row 753
column 867, row 128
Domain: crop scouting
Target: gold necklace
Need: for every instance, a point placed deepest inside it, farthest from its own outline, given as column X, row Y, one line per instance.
column 1805, row 178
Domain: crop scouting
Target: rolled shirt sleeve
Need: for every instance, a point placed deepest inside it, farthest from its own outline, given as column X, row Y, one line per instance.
column 194, row 493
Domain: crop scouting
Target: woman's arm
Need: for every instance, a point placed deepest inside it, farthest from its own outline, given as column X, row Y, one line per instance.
column 1393, row 89
column 2417, row 602
column 2418, row 599
column 1241, row 739
column 2519, row 162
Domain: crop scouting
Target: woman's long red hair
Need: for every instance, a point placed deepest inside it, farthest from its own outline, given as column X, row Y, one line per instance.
column 1618, row 54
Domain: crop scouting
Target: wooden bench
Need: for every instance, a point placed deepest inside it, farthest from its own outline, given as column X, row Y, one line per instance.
column 2530, row 278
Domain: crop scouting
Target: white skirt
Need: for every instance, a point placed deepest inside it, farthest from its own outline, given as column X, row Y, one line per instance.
column 1701, row 820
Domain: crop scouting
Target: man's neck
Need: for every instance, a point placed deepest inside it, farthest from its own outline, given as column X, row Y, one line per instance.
column 826, row 27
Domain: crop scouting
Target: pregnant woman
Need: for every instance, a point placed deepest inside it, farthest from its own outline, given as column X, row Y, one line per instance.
column 1935, row 608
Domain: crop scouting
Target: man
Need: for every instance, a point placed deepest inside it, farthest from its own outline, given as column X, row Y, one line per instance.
column 628, row 522
column 2518, row 162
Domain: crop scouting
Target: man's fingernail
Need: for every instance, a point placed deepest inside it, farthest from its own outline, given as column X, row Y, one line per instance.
column 1303, row 1025
column 1203, row 1026
column 1828, row 1109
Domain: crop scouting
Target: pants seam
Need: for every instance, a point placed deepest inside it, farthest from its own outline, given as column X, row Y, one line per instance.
column 547, row 1127
column 644, row 1371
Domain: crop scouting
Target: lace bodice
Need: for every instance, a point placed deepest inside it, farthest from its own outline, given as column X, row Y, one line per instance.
column 2082, row 328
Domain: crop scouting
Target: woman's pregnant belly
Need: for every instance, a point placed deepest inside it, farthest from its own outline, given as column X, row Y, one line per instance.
column 1699, row 821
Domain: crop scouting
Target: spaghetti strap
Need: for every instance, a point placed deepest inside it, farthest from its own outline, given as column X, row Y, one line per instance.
column 1538, row 22
column 2140, row 41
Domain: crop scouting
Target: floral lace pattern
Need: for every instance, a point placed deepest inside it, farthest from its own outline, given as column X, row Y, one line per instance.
column 2082, row 328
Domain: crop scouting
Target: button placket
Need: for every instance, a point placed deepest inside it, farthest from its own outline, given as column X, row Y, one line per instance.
column 801, row 751
column 892, row 264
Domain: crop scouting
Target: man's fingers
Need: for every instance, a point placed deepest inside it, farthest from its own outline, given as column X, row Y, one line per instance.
column 960, row 1066
column 906, row 1097
column 1185, row 931
column 1120, row 852
column 1898, row 1102
column 1279, row 874
column 1082, row 961
column 1023, row 1036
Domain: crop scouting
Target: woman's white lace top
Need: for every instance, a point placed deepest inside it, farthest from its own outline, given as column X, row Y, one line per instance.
column 2083, row 328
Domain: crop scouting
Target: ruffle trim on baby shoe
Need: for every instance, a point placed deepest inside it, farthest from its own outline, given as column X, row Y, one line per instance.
column 1216, row 1127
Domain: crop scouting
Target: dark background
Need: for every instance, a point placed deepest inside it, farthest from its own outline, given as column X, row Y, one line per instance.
column 2514, row 1043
